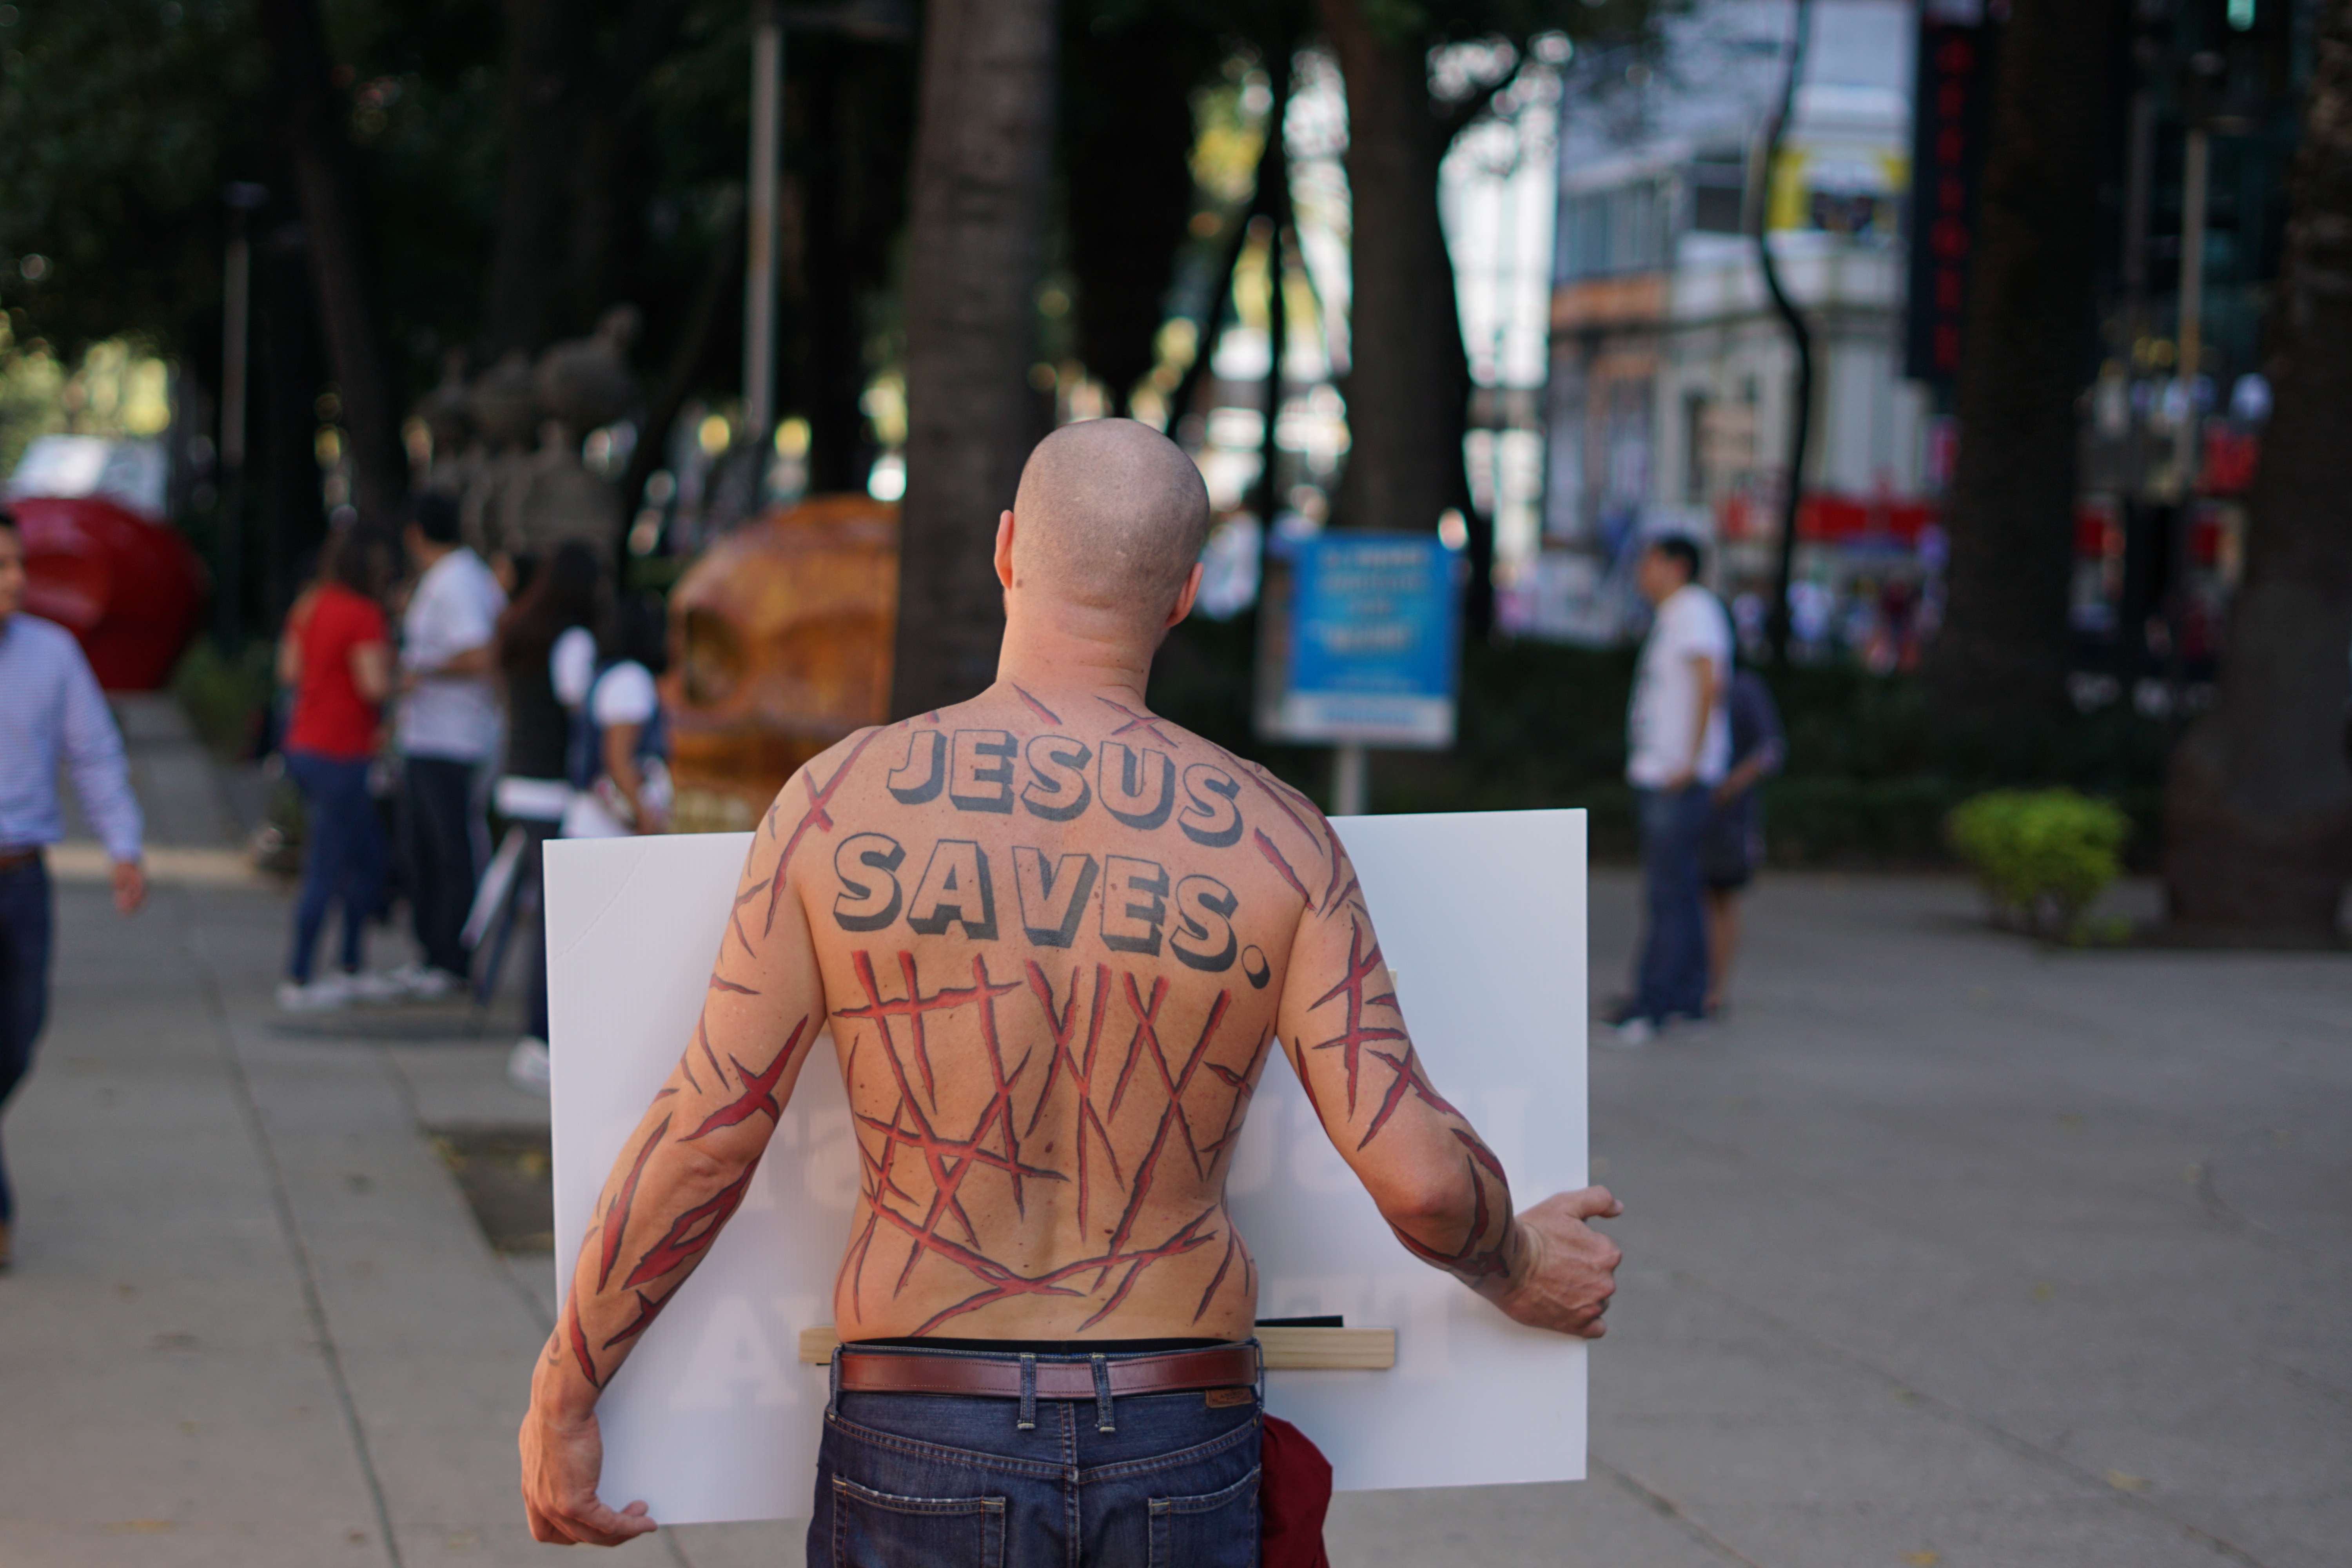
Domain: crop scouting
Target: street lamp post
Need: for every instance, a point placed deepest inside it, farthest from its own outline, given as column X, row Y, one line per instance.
column 760, row 263
column 237, row 317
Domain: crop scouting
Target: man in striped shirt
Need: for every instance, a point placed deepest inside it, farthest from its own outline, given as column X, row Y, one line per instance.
column 50, row 709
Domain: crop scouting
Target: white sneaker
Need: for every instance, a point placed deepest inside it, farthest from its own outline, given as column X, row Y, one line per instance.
column 526, row 1065
column 323, row 995
column 418, row 980
column 375, row 985
column 1630, row 1036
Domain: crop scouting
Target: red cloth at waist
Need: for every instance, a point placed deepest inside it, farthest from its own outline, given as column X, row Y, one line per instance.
column 1294, row 1493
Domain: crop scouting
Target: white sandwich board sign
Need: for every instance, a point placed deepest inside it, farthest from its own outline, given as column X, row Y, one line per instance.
column 1482, row 918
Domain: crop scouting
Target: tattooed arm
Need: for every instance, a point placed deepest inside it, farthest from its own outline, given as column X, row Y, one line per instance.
column 680, row 1176
column 1441, row 1189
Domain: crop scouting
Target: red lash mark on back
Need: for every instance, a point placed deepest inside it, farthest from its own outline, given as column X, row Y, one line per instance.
column 1060, row 1025
column 818, row 800
column 1250, row 772
column 911, row 1007
column 1273, row 858
column 1147, row 723
column 1042, row 712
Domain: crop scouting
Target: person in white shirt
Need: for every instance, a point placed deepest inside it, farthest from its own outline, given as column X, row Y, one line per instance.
column 449, row 725
column 1678, row 747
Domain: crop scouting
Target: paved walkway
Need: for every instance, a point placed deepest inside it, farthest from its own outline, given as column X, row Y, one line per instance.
column 1942, row 1250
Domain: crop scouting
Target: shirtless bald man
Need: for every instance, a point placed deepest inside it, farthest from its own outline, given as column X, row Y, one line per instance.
column 1053, row 938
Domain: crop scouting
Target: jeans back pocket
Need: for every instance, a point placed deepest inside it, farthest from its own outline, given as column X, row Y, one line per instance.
column 1217, row 1531
column 883, row 1530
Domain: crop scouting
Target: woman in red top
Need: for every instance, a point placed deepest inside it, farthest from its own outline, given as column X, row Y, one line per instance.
column 336, row 654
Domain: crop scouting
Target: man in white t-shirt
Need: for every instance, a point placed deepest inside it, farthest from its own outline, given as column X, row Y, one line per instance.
column 448, row 729
column 1678, row 745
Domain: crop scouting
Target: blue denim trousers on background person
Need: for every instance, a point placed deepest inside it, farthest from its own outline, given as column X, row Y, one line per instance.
column 1148, row 1480
column 437, row 843
column 25, row 924
column 344, row 859
column 1670, row 977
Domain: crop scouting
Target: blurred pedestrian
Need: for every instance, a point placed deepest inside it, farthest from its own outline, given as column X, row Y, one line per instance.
column 619, row 781
column 50, row 710
column 448, row 730
column 335, row 655
column 1735, row 837
column 1678, row 746
column 553, row 611
column 621, row 745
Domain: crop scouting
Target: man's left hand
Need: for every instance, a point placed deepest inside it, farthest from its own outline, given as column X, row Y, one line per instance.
column 130, row 886
column 562, row 1458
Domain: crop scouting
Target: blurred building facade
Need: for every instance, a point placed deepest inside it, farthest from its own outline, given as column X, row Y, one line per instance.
column 1671, row 382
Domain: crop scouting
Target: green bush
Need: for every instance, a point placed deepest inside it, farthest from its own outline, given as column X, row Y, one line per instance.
column 225, row 695
column 2043, row 856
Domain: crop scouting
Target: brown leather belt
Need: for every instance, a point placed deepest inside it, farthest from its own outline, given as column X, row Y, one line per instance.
column 10, row 860
column 1233, row 1366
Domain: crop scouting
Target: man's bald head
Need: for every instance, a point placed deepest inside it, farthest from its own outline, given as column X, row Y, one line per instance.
column 1110, row 515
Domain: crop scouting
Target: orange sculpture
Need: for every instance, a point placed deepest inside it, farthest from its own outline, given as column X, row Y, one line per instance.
column 780, row 639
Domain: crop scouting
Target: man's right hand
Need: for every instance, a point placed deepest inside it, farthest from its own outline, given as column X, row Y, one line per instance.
column 1566, row 1270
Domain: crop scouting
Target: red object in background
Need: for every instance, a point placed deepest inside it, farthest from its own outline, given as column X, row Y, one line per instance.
column 2231, row 455
column 130, row 590
column 1823, row 517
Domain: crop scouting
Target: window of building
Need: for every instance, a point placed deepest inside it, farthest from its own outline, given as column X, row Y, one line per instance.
column 1604, row 233
column 1695, row 430
column 1718, row 188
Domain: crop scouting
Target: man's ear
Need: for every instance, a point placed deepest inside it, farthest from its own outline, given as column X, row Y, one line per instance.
column 1185, row 597
column 1005, row 550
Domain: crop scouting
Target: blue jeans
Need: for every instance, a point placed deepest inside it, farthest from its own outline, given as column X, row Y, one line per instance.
column 437, row 838
column 345, row 862
column 915, row 1480
column 1670, row 978
column 25, row 926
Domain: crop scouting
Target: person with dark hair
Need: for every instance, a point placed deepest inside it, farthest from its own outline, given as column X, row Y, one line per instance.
column 50, row 713
column 1678, row 745
column 620, row 747
column 555, row 607
column 336, row 656
column 449, row 728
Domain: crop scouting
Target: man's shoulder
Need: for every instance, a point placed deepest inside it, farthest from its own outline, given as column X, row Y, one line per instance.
column 1698, row 615
column 49, row 645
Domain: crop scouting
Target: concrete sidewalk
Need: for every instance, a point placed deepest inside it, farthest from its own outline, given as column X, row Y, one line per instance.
column 1942, row 1250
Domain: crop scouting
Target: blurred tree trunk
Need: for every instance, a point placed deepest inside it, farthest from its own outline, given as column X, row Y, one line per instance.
column 984, row 152
column 1127, row 158
column 315, row 130
column 849, row 137
column 1408, row 384
column 2258, row 806
column 2005, row 645
column 573, row 180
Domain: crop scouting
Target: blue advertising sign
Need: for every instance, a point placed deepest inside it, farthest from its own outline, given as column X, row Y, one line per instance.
column 1371, row 636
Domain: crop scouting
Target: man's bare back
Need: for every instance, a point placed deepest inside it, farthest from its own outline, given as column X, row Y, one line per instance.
column 1052, row 938
column 1058, row 942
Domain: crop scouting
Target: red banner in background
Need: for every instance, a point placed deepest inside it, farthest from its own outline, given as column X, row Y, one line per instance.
column 1825, row 518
